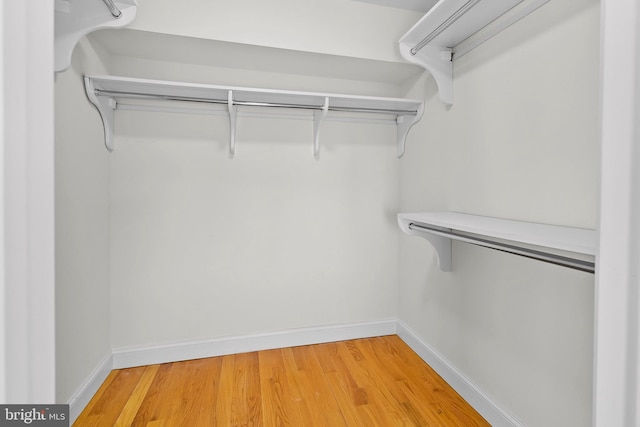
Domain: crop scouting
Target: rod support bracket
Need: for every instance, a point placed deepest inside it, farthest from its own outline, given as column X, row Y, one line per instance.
column 318, row 118
column 442, row 245
column 405, row 123
column 233, row 118
column 106, row 106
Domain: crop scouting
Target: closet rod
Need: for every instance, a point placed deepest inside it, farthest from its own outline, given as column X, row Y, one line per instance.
column 137, row 95
column 113, row 8
column 443, row 26
column 275, row 114
column 574, row 263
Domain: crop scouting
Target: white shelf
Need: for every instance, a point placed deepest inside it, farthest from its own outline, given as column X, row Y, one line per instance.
column 106, row 91
column 567, row 246
column 454, row 27
column 76, row 18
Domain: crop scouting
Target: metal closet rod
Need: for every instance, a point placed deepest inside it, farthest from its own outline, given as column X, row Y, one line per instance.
column 574, row 263
column 113, row 8
column 446, row 24
column 459, row 52
column 137, row 95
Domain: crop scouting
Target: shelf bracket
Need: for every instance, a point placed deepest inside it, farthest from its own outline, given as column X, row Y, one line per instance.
column 441, row 244
column 438, row 62
column 453, row 28
column 405, row 122
column 75, row 19
column 233, row 117
column 106, row 106
column 318, row 117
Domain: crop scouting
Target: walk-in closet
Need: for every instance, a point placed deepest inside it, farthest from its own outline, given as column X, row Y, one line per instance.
column 233, row 177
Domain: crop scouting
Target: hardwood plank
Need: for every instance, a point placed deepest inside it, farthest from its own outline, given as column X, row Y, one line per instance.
column 246, row 407
column 384, row 409
column 428, row 386
column 111, row 398
column 90, row 421
column 318, row 391
column 350, row 397
column 137, row 396
column 280, row 402
column 417, row 406
column 201, row 391
column 301, row 389
column 378, row 372
column 224, row 396
column 98, row 397
column 377, row 382
column 152, row 405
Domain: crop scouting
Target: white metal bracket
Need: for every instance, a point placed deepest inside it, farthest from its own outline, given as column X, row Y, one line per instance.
column 441, row 244
column 105, row 106
column 318, row 117
column 437, row 61
column 405, row 122
column 76, row 18
column 233, row 118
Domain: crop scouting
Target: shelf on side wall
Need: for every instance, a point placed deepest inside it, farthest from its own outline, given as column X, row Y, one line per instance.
column 452, row 28
column 567, row 246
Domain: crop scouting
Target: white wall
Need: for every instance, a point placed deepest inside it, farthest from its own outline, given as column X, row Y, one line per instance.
column 204, row 246
column 83, row 338
column 520, row 142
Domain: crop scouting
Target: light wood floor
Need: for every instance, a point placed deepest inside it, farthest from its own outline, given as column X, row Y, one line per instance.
column 368, row 382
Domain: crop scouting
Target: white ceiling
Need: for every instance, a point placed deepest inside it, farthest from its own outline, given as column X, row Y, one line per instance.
column 419, row 5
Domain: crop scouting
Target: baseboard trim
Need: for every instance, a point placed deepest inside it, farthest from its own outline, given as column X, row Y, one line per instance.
column 130, row 357
column 495, row 414
column 83, row 395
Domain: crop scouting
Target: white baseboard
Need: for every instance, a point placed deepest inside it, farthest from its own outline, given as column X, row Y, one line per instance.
column 495, row 414
column 81, row 398
column 127, row 358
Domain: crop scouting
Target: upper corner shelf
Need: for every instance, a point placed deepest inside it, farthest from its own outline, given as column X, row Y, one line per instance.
column 76, row 18
column 445, row 33
column 549, row 243
column 104, row 91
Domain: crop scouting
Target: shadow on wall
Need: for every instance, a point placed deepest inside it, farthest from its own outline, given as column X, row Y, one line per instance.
column 251, row 131
column 544, row 20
